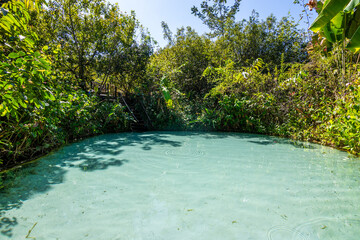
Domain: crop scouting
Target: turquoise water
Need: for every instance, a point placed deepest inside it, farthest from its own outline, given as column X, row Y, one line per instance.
column 184, row 186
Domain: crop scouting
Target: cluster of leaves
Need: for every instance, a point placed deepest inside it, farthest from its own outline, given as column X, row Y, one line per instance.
column 218, row 17
column 260, row 77
column 303, row 101
column 44, row 71
column 26, row 82
column 338, row 21
column 183, row 62
column 98, row 42
column 197, row 65
column 344, row 128
column 269, row 39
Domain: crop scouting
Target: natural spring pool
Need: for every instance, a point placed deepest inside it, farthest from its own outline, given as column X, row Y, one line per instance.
column 184, row 186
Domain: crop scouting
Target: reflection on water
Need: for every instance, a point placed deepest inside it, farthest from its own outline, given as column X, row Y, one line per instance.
column 165, row 185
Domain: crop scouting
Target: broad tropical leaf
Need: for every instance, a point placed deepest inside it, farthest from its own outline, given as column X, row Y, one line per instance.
column 353, row 25
column 353, row 4
column 354, row 44
column 329, row 11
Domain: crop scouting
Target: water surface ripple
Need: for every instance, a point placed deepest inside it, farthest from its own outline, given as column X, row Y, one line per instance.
column 177, row 186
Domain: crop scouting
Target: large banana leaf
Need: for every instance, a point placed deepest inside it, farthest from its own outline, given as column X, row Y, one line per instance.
column 353, row 4
column 354, row 43
column 338, row 20
column 331, row 33
column 353, row 25
column 354, row 28
column 329, row 11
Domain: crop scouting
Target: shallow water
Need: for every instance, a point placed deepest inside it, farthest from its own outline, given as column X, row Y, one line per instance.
column 184, row 186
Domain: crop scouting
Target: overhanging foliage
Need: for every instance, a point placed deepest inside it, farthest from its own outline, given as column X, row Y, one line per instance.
column 339, row 20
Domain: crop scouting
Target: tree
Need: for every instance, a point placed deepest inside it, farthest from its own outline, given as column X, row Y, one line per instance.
column 271, row 40
column 24, row 71
column 126, row 67
column 167, row 33
column 89, row 32
column 218, row 16
column 27, row 83
column 184, row 62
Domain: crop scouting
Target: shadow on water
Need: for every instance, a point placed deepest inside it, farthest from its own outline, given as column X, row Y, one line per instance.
column 295, row 144
column 98, row 153
column 252, row 138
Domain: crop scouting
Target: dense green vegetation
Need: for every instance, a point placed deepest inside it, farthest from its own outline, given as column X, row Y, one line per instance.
column 258, row 76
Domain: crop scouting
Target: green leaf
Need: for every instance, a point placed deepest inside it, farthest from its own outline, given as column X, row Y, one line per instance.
column 22, row 80
column 338, row 20
column 13, row 20
column 37, row 105
column 353, row 24
column 45, row 64
column 23, row 104
column 51, row 97
column 166, row 94
column 14, row 102
column 13, row 55
column 29, row 41
column 4, row 111
column 29, row 57
column 21, row 53
column 329, row 11
column 20, row 60
column 5, row 26
column 354, row 44
column 37, row 54
column 353, row 4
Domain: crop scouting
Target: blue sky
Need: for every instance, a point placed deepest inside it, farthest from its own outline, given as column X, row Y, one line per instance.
column 177, row 13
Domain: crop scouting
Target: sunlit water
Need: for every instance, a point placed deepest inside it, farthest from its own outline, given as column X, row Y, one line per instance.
column 184, row 186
